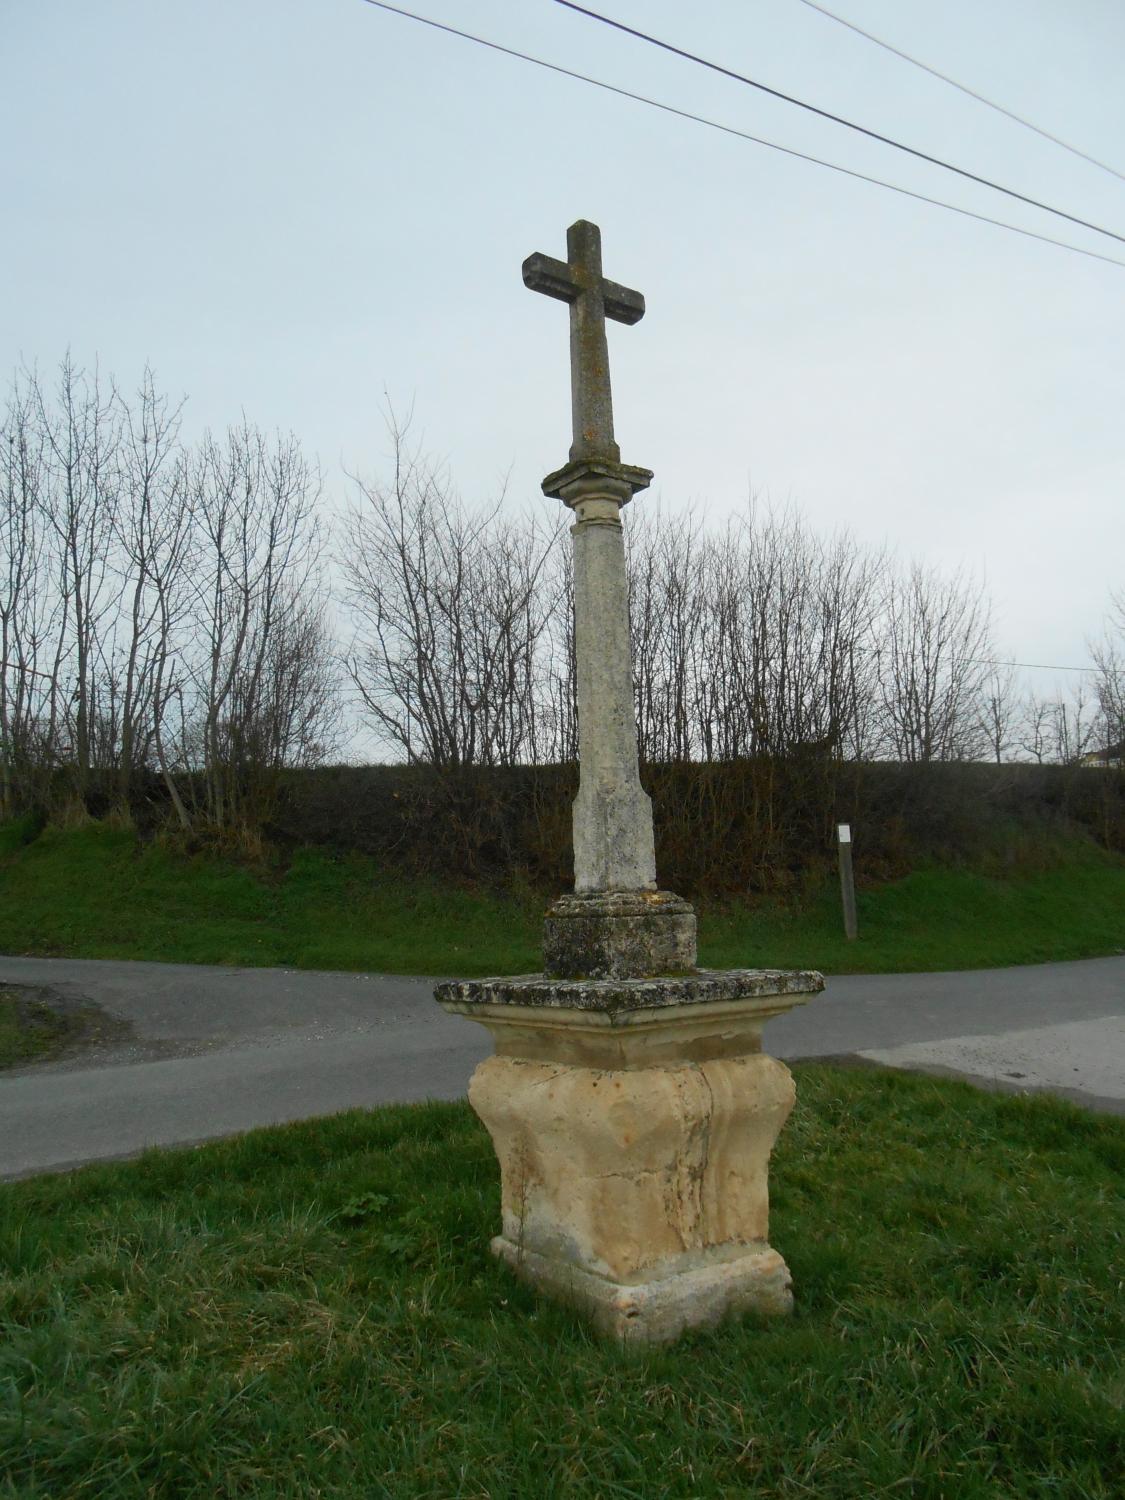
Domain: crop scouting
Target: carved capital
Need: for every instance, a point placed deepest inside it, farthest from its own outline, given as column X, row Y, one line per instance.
column 593, row 479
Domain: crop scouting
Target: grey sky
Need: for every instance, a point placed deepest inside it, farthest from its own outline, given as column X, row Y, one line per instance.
column 290, row 206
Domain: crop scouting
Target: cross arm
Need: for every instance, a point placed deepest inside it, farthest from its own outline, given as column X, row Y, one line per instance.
column 622, row 303
column 554, row 278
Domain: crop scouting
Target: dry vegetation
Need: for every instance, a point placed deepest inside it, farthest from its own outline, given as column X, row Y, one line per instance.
column 172, row 610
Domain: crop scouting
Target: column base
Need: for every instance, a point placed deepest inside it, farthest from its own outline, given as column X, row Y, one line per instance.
column 618, row 935
column 659, row 1310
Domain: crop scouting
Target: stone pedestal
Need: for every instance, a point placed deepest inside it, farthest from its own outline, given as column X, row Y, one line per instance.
column 633, row 1120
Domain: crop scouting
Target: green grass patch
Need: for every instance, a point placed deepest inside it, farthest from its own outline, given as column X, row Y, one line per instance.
column 98, row 892
column 935, row 919
column 312, row 1311
column 17, row 833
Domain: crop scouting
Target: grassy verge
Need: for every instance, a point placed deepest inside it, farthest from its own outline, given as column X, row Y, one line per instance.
column 311, row 1311
column 95, row 892
column 937, row 919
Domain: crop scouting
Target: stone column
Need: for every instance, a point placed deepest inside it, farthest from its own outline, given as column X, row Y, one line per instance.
column 613, row 844
column 616, row 923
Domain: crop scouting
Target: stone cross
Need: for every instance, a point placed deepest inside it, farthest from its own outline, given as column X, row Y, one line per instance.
column 579, row 281
column 616, row 922
column 630, row 1103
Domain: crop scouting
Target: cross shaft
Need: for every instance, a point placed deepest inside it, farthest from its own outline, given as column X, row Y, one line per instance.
column 579, row 281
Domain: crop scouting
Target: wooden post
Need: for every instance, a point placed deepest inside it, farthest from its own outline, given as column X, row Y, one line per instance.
column 847, row 880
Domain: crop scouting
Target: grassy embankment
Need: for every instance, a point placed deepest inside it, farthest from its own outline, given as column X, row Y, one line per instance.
column 96, row 892
column 313, row 1311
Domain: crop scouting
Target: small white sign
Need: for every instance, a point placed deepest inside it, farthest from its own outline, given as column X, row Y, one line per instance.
column 844, row 830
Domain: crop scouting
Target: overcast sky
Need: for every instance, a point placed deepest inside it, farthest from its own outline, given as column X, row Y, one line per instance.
column 290, row 207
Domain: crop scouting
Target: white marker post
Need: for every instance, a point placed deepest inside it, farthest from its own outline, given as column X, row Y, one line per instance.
column 847, row 880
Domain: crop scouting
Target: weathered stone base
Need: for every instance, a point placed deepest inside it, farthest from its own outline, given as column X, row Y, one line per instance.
column 633, row 1120
column 659, row 1310
column 618, row 935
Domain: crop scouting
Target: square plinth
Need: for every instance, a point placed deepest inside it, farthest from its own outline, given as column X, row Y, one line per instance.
column 633, row 1120
column 616, row 1023
column 754, row 1280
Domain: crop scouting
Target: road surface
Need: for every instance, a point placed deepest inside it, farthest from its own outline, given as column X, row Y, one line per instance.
column 206, row 1052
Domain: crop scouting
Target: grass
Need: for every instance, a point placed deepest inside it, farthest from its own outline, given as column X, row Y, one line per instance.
column 311, row 1311
column 96, row 892
column 937, row 919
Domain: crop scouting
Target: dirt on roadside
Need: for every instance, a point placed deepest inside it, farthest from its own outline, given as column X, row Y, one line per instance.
column 40, row 1024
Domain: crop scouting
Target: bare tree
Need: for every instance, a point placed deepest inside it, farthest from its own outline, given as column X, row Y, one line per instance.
column 80, row 431
column 668, row 610
column 938, row 653
column 450, row 610
column 1073, row 721
column 1059, row 730
column 152, row 528
column 999, row 710
column 1034, row 728
column 26, row 608
column 754, row 641
column 556, row 678
column 159, row 608
column 1109, row 677
column 261, row 660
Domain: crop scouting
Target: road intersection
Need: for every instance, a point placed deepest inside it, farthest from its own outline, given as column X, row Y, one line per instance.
column 208, row 1051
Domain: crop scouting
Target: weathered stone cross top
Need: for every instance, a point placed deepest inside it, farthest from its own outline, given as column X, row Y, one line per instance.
column 592, row 299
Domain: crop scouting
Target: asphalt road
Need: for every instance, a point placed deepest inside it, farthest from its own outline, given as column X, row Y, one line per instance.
column 206, row 1052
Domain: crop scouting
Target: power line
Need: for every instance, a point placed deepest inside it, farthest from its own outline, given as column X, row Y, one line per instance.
column 1029, row 666
column 743, row 135
column 964, row 89
column 825, row 114
column 27, row 671
column 988, row 661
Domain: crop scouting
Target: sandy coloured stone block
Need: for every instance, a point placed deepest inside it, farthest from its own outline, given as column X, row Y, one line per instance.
column 633, row 1127
column 625, row 1172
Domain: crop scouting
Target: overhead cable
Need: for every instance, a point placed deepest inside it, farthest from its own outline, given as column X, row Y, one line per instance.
column 964, row 89
column 744, row 135
column 825, row 114
column 1030, row 666
column 988, row 661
